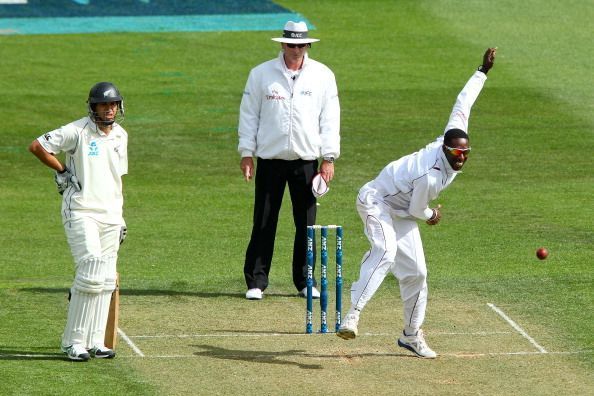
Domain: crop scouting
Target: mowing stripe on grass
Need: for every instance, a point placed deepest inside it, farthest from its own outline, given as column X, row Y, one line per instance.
column 517, row 327
column 130, row 343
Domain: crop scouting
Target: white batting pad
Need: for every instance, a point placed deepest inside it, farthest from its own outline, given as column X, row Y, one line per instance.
column 81, row 304
column 96, row 335
column 88, row 284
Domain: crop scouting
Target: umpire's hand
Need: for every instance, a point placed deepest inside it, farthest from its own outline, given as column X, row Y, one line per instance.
column 247, row 167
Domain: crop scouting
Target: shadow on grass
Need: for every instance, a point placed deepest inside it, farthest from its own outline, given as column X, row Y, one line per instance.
column 14, row 354
column 255, row 356
column 282, row 357
column 158, row 292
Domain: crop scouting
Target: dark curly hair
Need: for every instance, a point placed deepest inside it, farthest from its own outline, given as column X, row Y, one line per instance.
column 454, row 134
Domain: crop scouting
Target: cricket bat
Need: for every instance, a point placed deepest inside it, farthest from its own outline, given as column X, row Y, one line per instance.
column 111, row 330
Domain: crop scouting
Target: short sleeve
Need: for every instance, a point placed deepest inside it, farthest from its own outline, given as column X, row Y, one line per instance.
column 64, row 139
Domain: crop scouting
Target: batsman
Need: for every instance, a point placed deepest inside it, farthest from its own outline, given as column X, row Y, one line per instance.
column 390, row 207
column 90, row 182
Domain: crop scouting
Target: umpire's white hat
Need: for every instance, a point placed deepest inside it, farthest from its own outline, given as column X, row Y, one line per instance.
column 295, row 33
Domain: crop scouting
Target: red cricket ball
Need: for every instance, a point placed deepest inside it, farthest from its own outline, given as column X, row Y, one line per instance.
column 542, row 253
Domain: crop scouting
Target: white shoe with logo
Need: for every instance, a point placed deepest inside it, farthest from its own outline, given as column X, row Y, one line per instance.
column 348, row 328
column 254, row 294
column 102, row 352
column 416, row 344
column 76, row 352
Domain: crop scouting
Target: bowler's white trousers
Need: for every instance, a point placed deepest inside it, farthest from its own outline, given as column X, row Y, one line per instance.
column 396, row 247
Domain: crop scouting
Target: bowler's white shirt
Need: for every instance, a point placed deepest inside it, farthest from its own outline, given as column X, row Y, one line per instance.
column 99, row 161
column 408, row 184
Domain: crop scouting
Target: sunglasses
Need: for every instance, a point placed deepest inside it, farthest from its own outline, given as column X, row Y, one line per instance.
column 457, row 151
column 296, row 45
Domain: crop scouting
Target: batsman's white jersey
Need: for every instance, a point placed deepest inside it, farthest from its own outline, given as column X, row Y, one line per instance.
column 92, row 221
column 390, row 206
column 99, row 161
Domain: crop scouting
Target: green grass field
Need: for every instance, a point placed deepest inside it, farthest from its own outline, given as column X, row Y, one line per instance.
column 399, row 66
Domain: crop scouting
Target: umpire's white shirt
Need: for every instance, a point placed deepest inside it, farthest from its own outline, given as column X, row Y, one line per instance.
column 288, row 118
column 407, row 185
column 99, row 161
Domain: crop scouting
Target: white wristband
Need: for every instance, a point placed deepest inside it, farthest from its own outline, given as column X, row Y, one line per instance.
column 428, row 213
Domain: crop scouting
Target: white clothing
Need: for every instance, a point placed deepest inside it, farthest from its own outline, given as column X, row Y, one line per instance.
column 288, row 119
column 396, row 247
column 92, row 221
column 98, row 161
column 466, row 98
column 90, row 297
column 94, row 246
column 389, row 207
column 89, row 238
column 408, row 184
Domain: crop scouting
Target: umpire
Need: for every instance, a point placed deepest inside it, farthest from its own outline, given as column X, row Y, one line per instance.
column 289, row 118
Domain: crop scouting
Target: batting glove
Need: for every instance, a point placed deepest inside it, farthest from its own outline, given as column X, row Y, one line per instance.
column 123, row 234
column 66, row 179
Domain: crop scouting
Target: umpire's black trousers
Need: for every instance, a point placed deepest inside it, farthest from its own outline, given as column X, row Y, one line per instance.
column 271, row 178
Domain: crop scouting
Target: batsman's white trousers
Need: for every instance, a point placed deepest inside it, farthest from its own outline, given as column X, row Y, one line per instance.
column 89, row 238
column 396, row 247
column 94, row 247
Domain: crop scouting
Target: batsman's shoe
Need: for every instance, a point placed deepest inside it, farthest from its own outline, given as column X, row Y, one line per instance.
column 315, row 293
column 416, row 344
column 254, row 294
column 102, row 352
column 76, row 352
column 348, row 328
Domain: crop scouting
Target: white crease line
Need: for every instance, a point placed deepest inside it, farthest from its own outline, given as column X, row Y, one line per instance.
column 442, row 333
column 220, row 335
column 462, row 355
column 517, row 327
column 456, row 355
column 379, row 355
column 482, row 333
column 130, row 343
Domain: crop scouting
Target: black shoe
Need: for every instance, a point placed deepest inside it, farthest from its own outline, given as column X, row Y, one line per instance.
column 102, row 352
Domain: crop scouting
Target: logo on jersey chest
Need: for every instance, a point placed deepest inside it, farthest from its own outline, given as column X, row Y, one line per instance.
column 275, row 95
column 93, row 149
